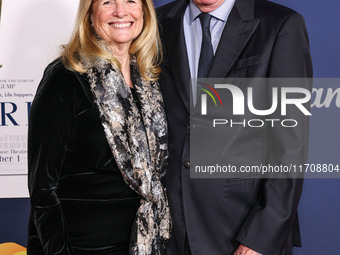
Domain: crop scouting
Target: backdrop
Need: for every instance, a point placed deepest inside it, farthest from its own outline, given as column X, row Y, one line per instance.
column 31, row 32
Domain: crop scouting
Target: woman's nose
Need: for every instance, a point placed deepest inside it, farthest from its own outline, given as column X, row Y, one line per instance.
column 120, row 9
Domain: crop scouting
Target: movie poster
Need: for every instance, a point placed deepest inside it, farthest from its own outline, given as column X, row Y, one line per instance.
column 31, row 35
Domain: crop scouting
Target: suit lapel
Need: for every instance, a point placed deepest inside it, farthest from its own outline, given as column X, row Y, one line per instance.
column 176, row 51
column 239, row 28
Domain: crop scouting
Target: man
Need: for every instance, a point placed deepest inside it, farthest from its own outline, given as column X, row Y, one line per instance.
column 248, row 38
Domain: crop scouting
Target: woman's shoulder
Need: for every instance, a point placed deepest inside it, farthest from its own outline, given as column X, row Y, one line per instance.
column 56, row 70
column 57, row 82
column 58, row 77
column 60, row 82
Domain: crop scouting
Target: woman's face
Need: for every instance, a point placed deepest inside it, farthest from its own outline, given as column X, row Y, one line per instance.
column 117, row 22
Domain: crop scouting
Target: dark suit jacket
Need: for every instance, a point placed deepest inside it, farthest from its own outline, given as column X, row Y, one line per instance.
column 260, row 39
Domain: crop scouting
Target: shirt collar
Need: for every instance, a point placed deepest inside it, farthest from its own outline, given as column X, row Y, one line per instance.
column 221, row 13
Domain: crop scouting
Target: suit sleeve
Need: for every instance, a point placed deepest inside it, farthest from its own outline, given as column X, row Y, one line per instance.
column 49, row 134
column 269, row 224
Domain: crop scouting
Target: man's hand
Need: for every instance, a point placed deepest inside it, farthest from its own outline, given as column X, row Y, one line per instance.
column 244, row 250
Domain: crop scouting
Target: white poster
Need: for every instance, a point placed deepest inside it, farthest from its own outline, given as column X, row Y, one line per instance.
column 31, row 34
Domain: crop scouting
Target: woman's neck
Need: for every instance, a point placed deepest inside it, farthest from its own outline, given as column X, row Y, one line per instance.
column 123, row 56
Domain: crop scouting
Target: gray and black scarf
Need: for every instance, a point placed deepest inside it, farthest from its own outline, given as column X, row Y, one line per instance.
column 138, row 141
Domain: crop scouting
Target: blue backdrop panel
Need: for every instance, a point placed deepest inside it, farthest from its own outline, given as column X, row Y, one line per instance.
column 319, row 208
column 14, row 215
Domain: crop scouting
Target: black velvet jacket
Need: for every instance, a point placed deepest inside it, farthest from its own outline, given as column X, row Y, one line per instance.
column 79, row 201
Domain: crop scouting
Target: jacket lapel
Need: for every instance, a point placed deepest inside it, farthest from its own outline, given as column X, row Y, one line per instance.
column 239, row 28
column 174, row 41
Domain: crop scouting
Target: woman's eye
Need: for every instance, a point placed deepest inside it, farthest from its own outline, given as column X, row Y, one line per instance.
column 107, row 2
column 131, row 1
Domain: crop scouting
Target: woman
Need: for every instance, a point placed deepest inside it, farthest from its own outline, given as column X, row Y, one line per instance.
column 98, row 138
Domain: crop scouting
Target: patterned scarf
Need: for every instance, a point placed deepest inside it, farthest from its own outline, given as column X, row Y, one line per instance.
column 138, row 141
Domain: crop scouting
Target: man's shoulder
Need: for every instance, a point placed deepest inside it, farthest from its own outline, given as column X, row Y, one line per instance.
column 273, row 12
column 172, row 9
column 163, row 10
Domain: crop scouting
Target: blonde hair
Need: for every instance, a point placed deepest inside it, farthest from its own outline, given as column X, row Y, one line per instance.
column 85, row 43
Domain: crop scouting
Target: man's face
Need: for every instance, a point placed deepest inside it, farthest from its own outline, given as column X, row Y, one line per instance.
column 208, row 5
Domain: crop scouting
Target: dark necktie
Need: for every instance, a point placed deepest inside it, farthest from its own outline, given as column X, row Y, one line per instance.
column 207, row 53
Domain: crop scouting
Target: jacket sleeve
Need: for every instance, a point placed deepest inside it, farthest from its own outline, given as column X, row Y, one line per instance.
column 50, row 127
column 269, row 224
